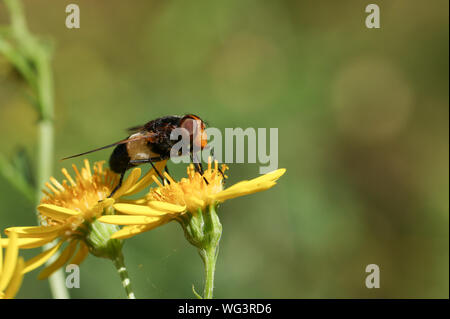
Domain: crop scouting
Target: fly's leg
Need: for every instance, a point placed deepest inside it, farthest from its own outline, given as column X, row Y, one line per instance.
column 198, row 167
column 151, row 160
column 220, row 170
column 118, row 185
column 167, row 171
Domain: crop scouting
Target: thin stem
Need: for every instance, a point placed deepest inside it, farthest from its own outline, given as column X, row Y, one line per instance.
column 45, row 163
column 123, row 273
column 209, row 258
column 46, row 152
column 41, row 81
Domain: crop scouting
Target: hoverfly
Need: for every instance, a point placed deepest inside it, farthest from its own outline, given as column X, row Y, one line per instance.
column 151, row 143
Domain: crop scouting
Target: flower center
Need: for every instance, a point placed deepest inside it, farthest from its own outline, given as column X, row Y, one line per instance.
column 82, row 194
column 193, row 192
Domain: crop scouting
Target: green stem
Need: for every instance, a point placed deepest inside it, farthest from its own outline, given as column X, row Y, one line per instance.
column 41, row 81
column 46, row 151
column 204, row 230
column 45, row 163
column 123, row 273
column 209, row 258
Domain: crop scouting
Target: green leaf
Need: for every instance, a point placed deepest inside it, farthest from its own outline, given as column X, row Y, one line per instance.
column 22, row 163
column 196, row 293
column 16, row 179
column 18, row 60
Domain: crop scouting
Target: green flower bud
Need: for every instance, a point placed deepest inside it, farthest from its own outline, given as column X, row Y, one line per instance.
column 99, row 240
column 202, row 229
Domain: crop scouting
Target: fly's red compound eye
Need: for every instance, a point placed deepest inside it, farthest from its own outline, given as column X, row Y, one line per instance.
column 196, row 128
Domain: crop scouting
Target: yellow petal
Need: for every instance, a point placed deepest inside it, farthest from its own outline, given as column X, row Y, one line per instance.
column 127, row 220
column 200, row 203
column 130, row 209
column 27, row 243
column 81, row 254
column 269, row 177
column 140, row 201
column 40, row 259
column 127, row 232
column 272, row 176
column 129, row 182
column 241, row 190
column 146, row 180
column 130, row 231
column 56, row 212
column 170, row 208
column 10, row 261
column 34, row 231
column 58, row 263
column 259, row 182
column 16, row 280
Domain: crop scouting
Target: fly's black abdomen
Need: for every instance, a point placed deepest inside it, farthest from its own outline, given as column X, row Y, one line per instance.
column 119, row 161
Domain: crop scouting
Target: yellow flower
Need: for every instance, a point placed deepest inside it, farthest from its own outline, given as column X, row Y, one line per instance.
column 172, row 201
column 192, row 202
column 68, row 213
column 11, row 269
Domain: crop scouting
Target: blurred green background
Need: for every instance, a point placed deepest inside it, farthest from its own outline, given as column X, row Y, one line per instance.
column 363, row 132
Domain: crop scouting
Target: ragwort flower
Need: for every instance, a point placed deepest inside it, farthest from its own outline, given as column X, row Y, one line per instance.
column 193, row 203
column 69, row 213
column 175, row 201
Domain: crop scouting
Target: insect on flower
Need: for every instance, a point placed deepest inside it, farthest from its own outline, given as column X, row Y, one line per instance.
column 151, row 143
